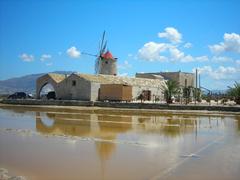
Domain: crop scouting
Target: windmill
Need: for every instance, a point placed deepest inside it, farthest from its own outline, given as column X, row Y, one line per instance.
column 105, row 63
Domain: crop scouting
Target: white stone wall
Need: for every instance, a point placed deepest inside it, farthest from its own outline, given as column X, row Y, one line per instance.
column 108, row 67
column 81, row 91
column 88, row 89
column 94, row 91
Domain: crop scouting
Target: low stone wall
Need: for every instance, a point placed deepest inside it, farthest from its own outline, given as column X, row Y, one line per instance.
column 47, row 102
column 167, row 106
column 122, row 105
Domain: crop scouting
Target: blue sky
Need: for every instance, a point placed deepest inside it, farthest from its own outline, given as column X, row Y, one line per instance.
column 145, row 35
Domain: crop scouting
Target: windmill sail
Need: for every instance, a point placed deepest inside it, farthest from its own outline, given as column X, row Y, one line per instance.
column 105, row 63
column 102, row 42
column 97, row 65
column 102, row 49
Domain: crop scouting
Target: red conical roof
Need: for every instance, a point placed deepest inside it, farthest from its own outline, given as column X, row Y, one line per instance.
column 107, row 55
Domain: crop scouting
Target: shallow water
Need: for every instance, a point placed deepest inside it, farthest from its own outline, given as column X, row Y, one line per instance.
column 49, row 143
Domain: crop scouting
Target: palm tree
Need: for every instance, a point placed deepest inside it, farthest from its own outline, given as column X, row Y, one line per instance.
column 170, row 89
column 234, row 92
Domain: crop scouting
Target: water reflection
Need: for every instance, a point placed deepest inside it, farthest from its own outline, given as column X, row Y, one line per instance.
column 170, row 126
column 174, row 134
column 108, row 126
column 86, row 126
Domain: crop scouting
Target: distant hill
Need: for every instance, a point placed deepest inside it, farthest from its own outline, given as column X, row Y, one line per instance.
column 25, row 83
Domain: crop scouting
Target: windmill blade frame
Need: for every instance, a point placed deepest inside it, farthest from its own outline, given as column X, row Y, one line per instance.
column 104, row 47
column 97, row 65
column 102, row 42
column 84, row 53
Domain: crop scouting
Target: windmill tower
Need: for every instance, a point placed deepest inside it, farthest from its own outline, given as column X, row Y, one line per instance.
column 105, row 63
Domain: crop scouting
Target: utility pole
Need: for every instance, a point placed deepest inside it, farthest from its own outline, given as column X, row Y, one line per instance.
column 196, row 86
column 199, row 83
column 199, row 86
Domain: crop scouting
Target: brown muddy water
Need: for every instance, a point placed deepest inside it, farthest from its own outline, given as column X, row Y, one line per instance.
column 52, row 143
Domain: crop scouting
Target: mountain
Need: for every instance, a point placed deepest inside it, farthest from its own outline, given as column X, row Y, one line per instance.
column 25, row 83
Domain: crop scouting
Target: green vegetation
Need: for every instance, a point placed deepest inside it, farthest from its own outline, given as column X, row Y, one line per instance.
column 234, row 92
column 198, row 94
column 171, row 89
column 187, row 94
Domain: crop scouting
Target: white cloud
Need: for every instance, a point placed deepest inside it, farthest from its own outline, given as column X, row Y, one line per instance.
column 190, row 58
column 217, row 48
column 201, row 58
column 175, row 53
column 73, row 52
column 45, row 57
column 169, row 52
column 26, row 57
column 231, row 43
column 171, row 34
column 187, row 59
column 151, row 51
column 221, row 73
column 158, row 52
column 125, row 65
column 221, row 59
column 187, row 45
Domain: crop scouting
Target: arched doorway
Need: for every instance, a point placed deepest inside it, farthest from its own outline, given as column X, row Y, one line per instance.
column 47, row 91
column 43, row 81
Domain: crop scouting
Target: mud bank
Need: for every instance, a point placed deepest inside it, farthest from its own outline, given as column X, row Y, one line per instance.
column 148, row 106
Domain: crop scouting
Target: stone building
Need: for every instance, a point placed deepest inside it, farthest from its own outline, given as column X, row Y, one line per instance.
column 86, row 86
column 184, row 79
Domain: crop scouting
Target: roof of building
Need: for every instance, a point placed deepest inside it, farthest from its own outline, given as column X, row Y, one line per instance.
column 57, row 77
column 109, row 79
column 163, row 73
column 149, row 76
column 107, row 55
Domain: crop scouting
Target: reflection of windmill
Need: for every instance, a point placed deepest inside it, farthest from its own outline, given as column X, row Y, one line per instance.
column 105, row 62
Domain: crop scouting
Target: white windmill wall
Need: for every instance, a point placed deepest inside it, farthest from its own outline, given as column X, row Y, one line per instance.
column 108, row 67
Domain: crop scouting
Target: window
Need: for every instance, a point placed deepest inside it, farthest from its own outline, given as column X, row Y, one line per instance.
column 106, row 62
column 74, row 83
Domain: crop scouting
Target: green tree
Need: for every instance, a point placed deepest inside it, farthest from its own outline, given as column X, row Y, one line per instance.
column 197, row 92
column 186, row 94
column 170, row 89
column 234, row 92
